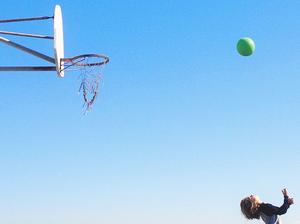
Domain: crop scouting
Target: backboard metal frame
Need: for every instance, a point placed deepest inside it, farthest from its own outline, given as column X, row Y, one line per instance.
column 57, row 42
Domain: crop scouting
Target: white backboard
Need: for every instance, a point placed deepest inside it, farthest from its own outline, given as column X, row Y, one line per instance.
column 58, row 40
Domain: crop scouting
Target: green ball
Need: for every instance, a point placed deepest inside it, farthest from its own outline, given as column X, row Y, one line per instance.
column 245, row 46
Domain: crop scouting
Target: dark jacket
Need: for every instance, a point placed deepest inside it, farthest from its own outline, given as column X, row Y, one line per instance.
column 269, row 213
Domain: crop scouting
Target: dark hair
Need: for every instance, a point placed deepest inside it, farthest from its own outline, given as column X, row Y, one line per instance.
column 249, row 209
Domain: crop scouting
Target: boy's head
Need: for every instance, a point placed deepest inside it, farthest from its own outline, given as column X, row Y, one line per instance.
column 249, row 207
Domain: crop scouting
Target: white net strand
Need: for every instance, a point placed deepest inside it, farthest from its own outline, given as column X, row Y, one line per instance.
column 90, row 80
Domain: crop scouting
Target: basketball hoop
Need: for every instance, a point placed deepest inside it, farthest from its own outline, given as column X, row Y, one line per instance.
column 90, row 67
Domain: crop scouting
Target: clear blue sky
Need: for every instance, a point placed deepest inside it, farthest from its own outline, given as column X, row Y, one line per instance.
column 184, row 126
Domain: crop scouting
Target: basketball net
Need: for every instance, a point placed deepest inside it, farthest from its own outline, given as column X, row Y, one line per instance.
column 90, row 67
column 90, row 80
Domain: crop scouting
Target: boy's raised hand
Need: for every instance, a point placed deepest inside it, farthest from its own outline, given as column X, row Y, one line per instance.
column 285, row 192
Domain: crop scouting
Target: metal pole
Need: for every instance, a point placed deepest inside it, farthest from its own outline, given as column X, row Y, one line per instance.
column 26, row 19
column 27, row 50
column 26, row 35
column 27, row 68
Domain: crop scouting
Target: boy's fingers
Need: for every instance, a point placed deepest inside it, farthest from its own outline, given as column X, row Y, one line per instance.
column 284, row 191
